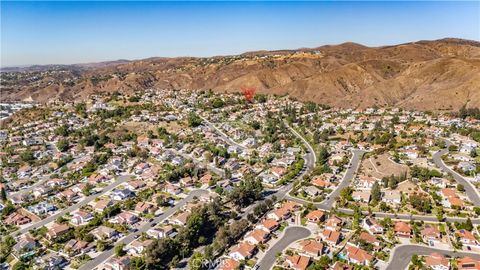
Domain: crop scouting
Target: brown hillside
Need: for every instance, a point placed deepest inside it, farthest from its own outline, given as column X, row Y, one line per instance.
column 425, row 75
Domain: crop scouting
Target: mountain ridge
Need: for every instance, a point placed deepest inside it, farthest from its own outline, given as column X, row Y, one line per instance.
column 423, row 75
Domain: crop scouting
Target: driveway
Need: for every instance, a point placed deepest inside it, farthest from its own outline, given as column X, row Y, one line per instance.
column 290, row 235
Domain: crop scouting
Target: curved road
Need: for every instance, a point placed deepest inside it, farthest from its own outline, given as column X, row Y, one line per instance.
column 281, row 193
column 290, row 235
column 471, row 191
column 307, row 144
column 132, row 236
column 327, row 204
column 401, row 255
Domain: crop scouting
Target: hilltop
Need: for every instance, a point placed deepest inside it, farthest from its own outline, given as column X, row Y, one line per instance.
column 425, row 75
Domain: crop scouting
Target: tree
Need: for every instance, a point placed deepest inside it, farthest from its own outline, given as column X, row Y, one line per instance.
column 3, row 194
column 346, row 194
column 63, row 145
column 247, row 192
column 134, row 99
column 87, row 189
column 420, row 202
column 323, row 263
column 62, row 131
column 217, row 103
column 194, row 120
column 196, row 261
column 323, row 155
column 439, row 213
column 376, row 194
column 119, row 252
column 101, row 245
column 27, row 155
column 6, row 247
column 467, row 225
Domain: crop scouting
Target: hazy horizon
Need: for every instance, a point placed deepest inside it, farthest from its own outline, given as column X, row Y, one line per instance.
column 42, row 33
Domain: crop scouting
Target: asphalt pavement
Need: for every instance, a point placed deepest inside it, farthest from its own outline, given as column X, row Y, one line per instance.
column 281, row 193
column 224, row 136
column 327, row 204
column 290, row 235
column 402, row 255
column 470, row 190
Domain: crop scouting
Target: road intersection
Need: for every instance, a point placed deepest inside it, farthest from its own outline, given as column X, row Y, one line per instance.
column 400, row 254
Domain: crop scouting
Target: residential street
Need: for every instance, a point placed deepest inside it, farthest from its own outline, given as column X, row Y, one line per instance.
column 402, row 255
column 222, row 134
column 214, row 169
column 120, row 180
column 327, row 204
column 471, row 191
column 132, row 236
column 310, row 160
column 311, row 152
column 40, row 181
column 290, row 235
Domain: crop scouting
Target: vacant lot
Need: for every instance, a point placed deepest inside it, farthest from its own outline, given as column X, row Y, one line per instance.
column 382, row 166
column 142, row 127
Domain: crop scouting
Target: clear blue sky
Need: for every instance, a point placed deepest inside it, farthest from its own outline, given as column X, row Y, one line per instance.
column 80, row 32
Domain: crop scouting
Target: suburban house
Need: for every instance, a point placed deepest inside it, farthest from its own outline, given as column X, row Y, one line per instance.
column 431, row 234
column 437, row 261
column 157, row 233
column 242, row 251
column 81, row 217
column 468, row 263
column 467, row 238
column 357, row 255
column 312, row 248
column 370, row 238
column 269, row 225
column 125, row 217
column 392, row 197
column 57, row 230
column 297, row 262
column 103, row 232
column 257, row 236
column 137, row 247
column 315, row 216
column 114, row 263
column 371, row 225
column 333, row 223
column 332, row 238
column 402, row 229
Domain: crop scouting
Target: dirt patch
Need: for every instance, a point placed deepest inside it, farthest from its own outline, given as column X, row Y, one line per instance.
column 382, row 166
column 407, row 187
column 141, row 128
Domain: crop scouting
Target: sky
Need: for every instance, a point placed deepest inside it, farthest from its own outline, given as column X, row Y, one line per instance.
column 83, row 32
